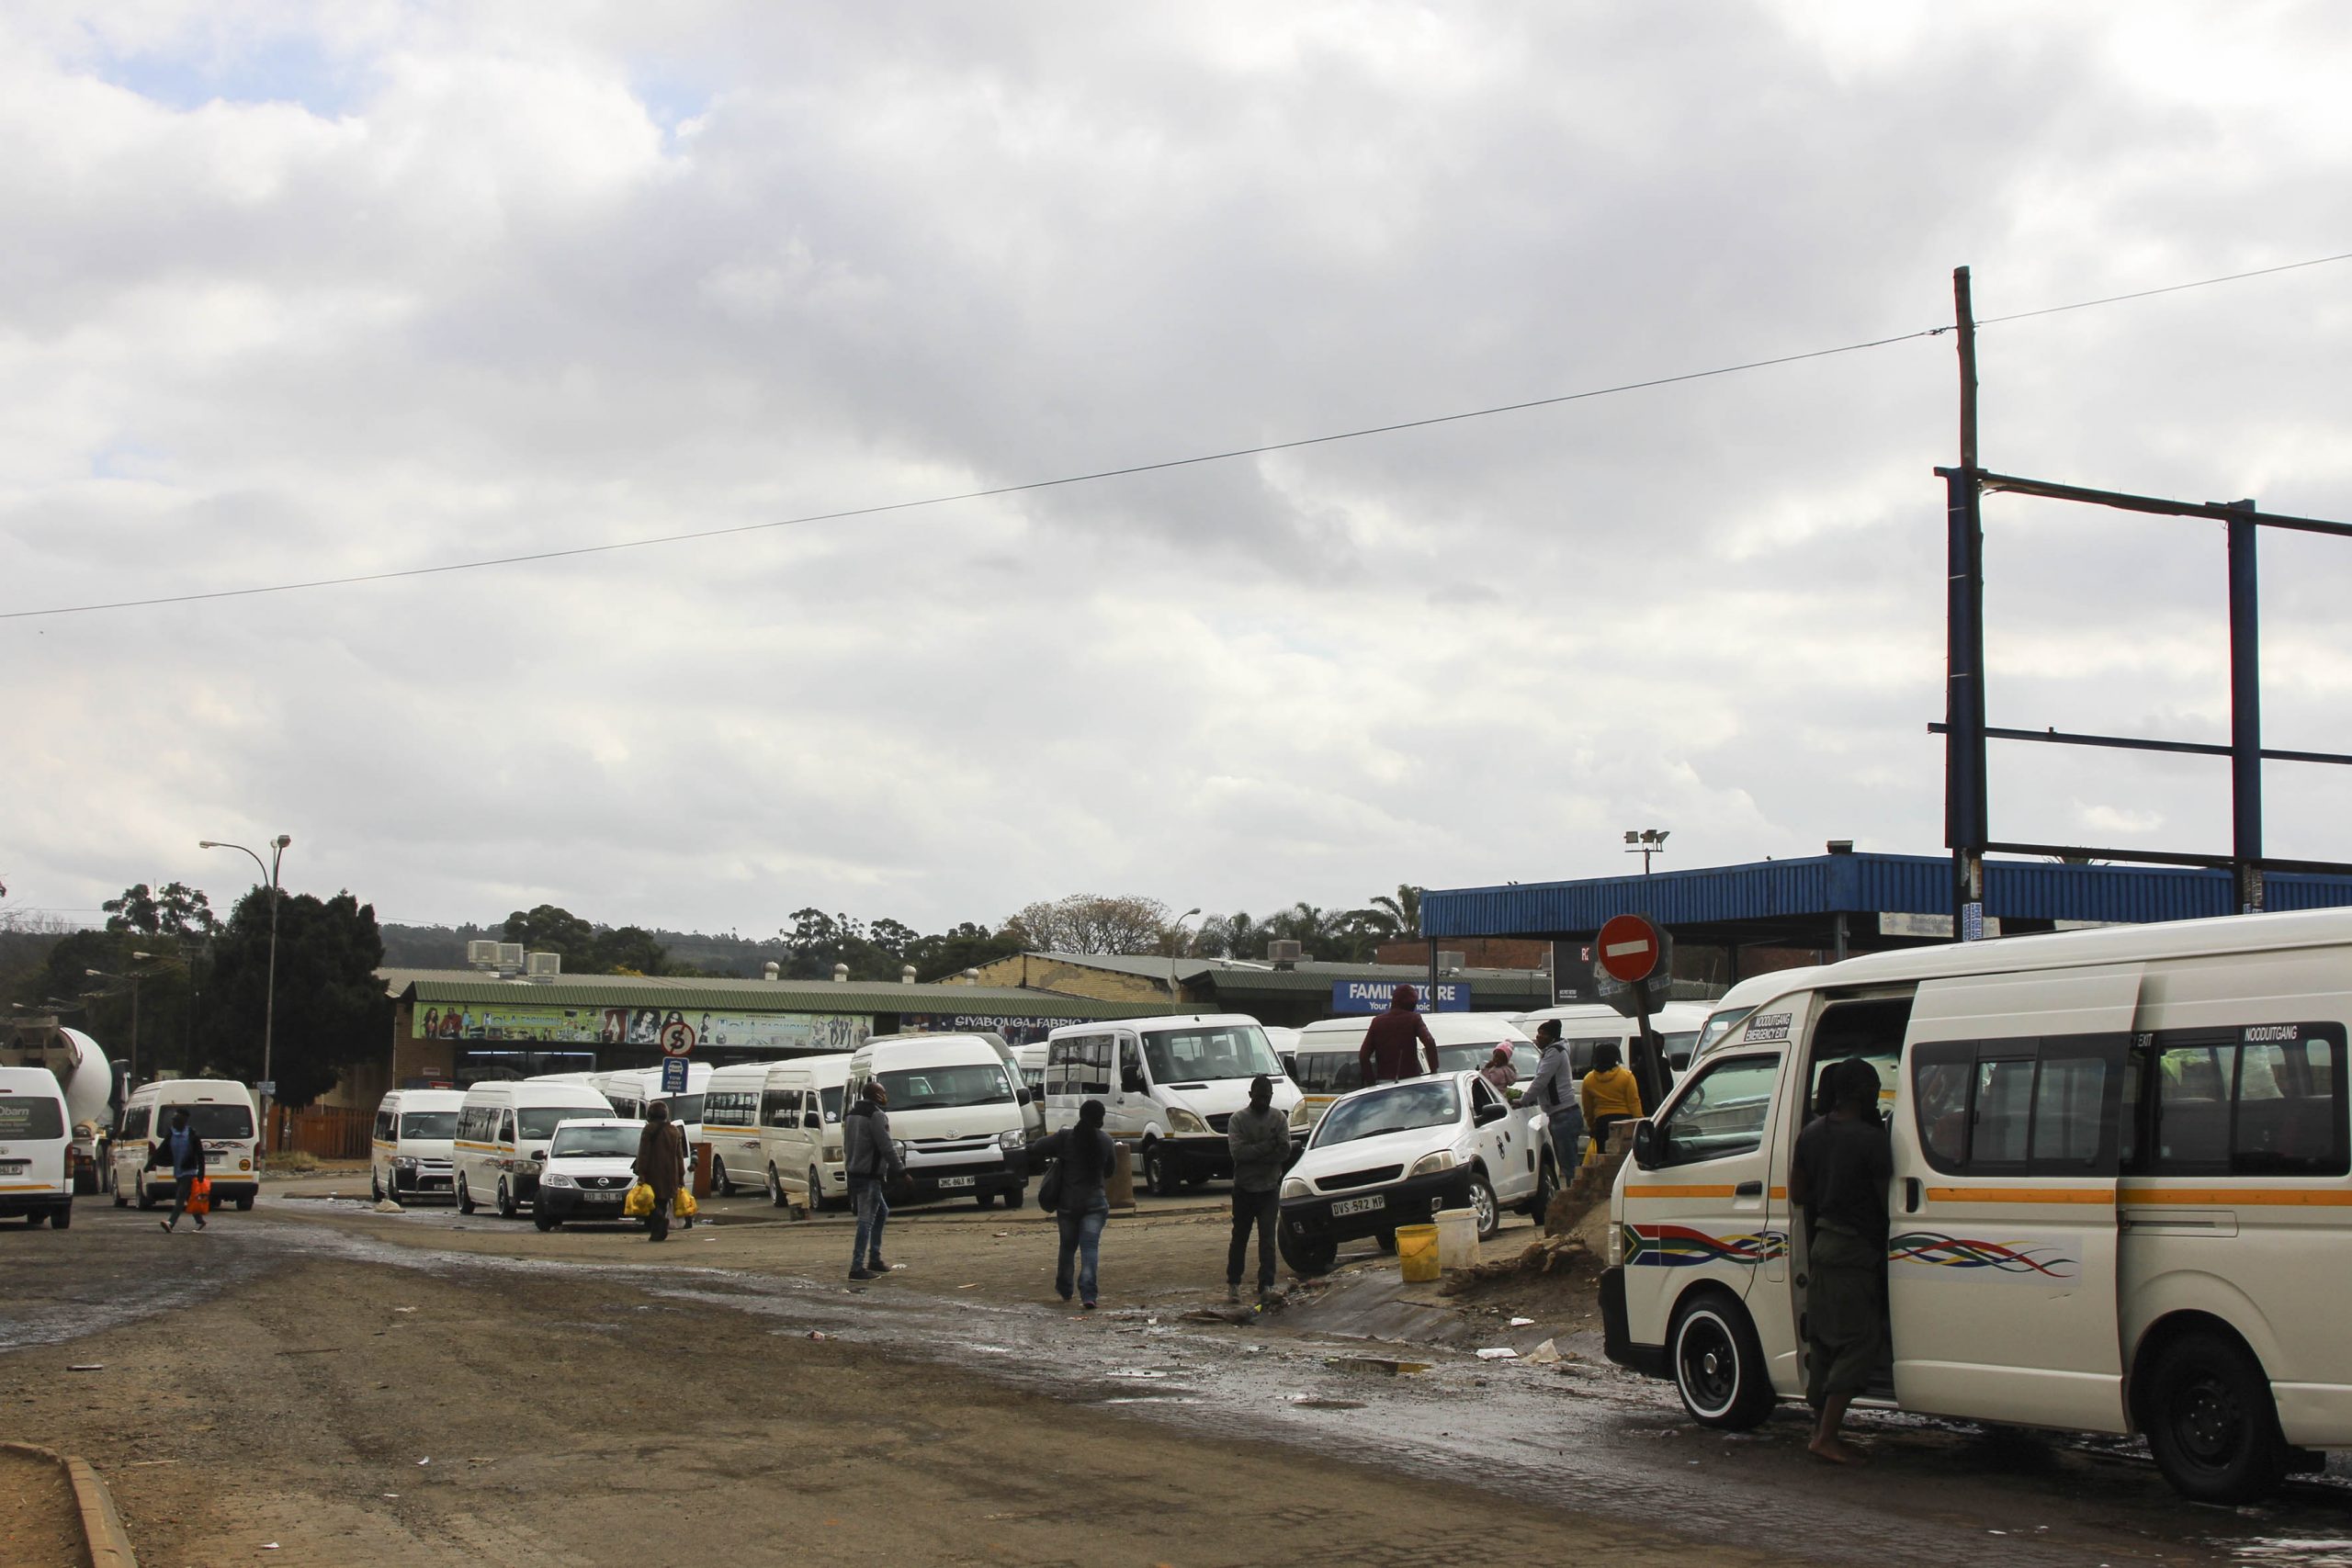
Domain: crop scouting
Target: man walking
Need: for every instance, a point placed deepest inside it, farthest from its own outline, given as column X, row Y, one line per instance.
column 1259, row 1137
column 1839, row 1176
column 1392, row 1047
column 183, row 1151
column 871, row 1160
column 1552, row 1090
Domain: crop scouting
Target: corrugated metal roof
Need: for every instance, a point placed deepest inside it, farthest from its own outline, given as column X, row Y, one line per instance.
column 1826, row 885
column 769, row 996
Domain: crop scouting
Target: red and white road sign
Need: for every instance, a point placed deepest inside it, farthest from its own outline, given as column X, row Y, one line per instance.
column 1629, row 948
column 677, row 1037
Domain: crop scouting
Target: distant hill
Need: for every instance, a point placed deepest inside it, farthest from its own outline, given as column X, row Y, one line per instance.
column 443, row 947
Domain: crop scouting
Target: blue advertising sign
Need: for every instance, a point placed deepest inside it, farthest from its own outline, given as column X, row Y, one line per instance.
column 673, row 1075
column 1372, row 995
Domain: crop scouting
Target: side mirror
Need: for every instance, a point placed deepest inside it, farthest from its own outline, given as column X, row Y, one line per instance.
column 812, row 1121
column 1488, row 1114
column 1649, row 1145
column 1021, row 1095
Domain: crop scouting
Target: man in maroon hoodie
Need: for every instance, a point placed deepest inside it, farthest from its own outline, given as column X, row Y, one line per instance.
column 1392, row 1046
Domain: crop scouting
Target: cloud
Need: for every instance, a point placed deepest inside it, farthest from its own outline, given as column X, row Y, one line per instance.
column 309, row 292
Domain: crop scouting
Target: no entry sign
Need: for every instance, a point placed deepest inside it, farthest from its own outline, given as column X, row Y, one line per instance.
column 1629, row 948
column 677, row 1037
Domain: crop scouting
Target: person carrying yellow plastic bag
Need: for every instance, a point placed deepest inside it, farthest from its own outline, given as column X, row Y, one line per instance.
column 661, row 1167
column 684, row 1206
column 638, row 1204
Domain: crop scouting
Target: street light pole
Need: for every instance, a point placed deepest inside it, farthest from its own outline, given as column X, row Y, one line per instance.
column 277, row 847
column 1176, row 997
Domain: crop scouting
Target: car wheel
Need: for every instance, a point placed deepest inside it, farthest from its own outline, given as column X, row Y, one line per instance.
column 506, row 1210
column 544, row 1222
column 146, row 1198
column 1157, row 1180
column 244, row 1205
column 1483, row 1204
column 1387, row 1240
column 1539, row 1208
column 777, row 1194
column 720, row 1182
column 1014, row 1198
column 1718, row 1365
column 61, row 1218
column 817, row 1199
column 2211, row 1422
column 465, row 1197
column 1308, row 1259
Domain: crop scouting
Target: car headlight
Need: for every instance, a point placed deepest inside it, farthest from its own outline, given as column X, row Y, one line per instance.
column 1296, row 1186
column 1183, row 1124
column 1434, row 1161
column 1012, row 1138
column 403, row 1162
column 1302, row 1115
column 832, row 1151
column 557, row 1178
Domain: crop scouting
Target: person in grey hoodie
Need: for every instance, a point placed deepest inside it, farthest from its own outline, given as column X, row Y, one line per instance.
column 871, row 1162
column 1552, row 1089
column 1260, row 1136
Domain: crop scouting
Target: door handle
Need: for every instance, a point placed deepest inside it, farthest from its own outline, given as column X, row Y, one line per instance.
column 1910, row 1194
column 1748, row 1190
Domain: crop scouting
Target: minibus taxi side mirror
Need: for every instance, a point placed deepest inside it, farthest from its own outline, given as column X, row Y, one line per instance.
column 1490, row 1113
column 1021, row 1096
column 813, row 1122
column 1649, row 1145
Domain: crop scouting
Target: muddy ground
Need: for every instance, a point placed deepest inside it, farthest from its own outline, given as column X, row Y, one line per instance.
column 585, row 1398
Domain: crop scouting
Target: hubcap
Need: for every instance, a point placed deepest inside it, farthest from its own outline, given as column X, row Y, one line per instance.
column 2210, row 1424
column 1483, row 1203
column 1710, row 1371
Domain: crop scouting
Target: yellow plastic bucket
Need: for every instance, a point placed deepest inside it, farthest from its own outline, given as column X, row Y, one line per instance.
column 1417, row 1253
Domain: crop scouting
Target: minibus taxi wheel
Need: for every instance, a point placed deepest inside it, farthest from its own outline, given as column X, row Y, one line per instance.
column 59, row 1217
column 506, row 1210
column 2211, row 1422
column 465, row 1197
column 1012, row 1200
column 1157, row 1178
column 246, row 1205
column 375, row 1187
column 818, row 1202
column 1718, row 1365
column 985, row 1199
column 1387, row 1240
column 719, row 1181
column 146, row 1198
column 776, row 1190
column 1308, row 1259
column 1540, row 1204
column 122, row 1199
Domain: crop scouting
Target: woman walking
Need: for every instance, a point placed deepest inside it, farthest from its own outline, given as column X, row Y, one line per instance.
column 1084, row 1154
column 660, row 1165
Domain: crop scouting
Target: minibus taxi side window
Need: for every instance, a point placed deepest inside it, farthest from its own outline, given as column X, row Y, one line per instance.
column 1722, row 1114
column 1131, row 1078
column 2270, row 1105
column 134, row 1123
column 2003, row 1112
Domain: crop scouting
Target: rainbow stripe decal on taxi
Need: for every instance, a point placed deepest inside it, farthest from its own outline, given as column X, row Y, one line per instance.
column 1679, row 1246
column 1957, row 1252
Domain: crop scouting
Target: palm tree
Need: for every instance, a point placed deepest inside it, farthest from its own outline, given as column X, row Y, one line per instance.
column 1230, row 936
column 1400, row 916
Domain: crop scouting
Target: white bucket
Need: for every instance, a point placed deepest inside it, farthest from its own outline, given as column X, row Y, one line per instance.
column 1457, row 1239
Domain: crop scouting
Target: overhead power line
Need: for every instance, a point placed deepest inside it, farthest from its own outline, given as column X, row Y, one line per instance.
column 1093, row 475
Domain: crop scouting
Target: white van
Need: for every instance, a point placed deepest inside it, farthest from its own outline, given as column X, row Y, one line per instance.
column 2122, row 1168
column 956, row 1106
column 1326, row 1062
column 409, row 1154
column 1731, row 1009
column 633, row 1090
column 34, row 1181
column 502, row 1132
column 1169, row 1085
column 221, row 1112
column 1584, row 1025
column 800, row 1131
column 1030, row 1058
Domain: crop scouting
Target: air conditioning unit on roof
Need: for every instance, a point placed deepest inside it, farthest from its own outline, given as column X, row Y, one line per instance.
column 482, row 955
column 1450, row 963
column 543, row 965
column 1282, row 951
column 510, row 955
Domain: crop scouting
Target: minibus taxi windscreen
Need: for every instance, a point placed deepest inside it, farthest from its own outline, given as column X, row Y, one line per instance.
column 217, row 1120
column 1428, row 1102
column 946, row 1088
column 539, row 1120
column 1718, row 1024
column 1197, row 1055
column 428, row 1124
column 31, row 1116
column 620, row 1141
column 685, row 1107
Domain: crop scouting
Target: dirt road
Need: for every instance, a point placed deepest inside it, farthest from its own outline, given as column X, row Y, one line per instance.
column 583, row 1398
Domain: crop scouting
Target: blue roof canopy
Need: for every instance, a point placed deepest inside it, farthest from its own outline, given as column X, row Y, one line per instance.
column 1821, row 887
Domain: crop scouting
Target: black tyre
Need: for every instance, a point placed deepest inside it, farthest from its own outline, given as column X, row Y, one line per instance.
column 1718, row 1366
column 720, row 1182
column 543, row 1221
column 61, row 1218
column 122, row 1199
column 146, row 1198
column 1483, row 1204
column 506, row 1207
column 465, row 1197
column 817, row 1199
column 1540, row 1204
column 777, row 1194
column 2211, row 1422
column 1014, row 1198
column 985, row 1199
column 1308, row 1259
column 1157, row 1180
column 245, row 1205
column 1387, row 1240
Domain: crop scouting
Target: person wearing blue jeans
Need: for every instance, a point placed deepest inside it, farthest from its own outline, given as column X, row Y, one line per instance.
column 871, row 1161
column 1085, row 1156
column 1553, row 1091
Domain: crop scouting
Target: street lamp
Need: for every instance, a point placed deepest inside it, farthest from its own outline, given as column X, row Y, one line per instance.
column 1649, row 841
column 277, row 847
column 1176, row 933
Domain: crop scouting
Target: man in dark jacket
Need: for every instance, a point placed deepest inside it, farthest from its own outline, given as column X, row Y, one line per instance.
column 1393, row 1045
column 660, row 1165
column 1259, row 1137
column 182, row 1152
column 871, row 1162
column 1838, row 1178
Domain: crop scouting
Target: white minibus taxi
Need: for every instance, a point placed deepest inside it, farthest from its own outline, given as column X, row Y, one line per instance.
column 778, row 1125
column 409, row 1153
column 1584, row 1025
column 34, row 1135
column 502, row 1132
column 221, row 1112
column 956, row 1106
column 1168, row 1085
column 2122, row 1172
column 633, row 1090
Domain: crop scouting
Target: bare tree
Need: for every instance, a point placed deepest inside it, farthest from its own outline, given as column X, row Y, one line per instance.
column 1092, row 922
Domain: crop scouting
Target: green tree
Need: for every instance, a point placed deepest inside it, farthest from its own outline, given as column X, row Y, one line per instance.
column 1230, row 936
column 965, row 945
column 330, row 1010
column 1399, row 917
column 551, row 929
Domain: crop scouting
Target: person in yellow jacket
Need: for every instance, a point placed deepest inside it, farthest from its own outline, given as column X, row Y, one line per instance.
column 1607, row 1095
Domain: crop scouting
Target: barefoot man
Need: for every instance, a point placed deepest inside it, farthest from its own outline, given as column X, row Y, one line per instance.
column 1839, row 1177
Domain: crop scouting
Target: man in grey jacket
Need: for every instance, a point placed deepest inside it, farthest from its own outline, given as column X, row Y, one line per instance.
column 1553, row 1091
column 1259, row 1137
column 871, row 1162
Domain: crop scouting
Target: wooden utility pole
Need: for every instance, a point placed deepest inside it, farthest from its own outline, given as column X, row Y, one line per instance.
column 1965, row 825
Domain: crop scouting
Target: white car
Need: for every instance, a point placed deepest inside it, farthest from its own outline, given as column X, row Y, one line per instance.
column 588, row 1172
column 1395, row 1155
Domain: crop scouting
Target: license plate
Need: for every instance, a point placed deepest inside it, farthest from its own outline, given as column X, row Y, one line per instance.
column 947, row 1181
column 1360, row 1205
column 603, row 1196
column 14, row 1166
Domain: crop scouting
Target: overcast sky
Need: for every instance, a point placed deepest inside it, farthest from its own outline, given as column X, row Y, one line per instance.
column 293, row 292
